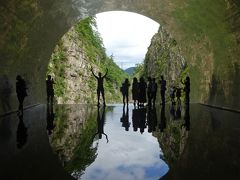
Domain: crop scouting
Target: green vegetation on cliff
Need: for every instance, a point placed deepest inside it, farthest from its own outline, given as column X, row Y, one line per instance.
column 79, row 50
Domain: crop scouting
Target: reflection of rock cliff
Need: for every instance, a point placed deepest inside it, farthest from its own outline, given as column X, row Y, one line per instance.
column 71, row 138
column 173, row 138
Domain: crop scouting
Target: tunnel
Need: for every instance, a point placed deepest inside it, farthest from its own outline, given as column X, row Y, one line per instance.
column 207, row 33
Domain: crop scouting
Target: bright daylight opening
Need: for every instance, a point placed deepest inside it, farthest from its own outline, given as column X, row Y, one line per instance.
column 126, row 36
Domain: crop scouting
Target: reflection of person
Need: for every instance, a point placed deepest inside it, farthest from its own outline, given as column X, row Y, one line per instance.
column 142, row 119
column 50, row 119
column 21, row 132
column 100, row 123
column 50, row 90
column 100, row 87
column 186, row 118
column 163, row 89
column 21, row 92
column 125, row 119
column 187, row 89
column 162, row 124
column 149, row 119
column 135, row 119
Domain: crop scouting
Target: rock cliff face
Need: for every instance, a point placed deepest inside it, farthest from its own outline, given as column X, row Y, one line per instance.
column 164, row 58
column 71, row 63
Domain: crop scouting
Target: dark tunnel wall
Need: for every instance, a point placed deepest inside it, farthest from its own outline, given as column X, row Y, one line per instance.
column 206, row 31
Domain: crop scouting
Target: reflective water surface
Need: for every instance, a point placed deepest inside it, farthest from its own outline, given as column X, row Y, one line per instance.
column 84, row 142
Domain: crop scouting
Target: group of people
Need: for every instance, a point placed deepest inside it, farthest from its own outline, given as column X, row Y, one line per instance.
column 146, row 92
column 142, row 91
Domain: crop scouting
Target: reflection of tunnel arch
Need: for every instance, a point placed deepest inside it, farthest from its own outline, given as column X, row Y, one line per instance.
column 207, row 33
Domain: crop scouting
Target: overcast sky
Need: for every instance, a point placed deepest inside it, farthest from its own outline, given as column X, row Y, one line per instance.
column 126, row 35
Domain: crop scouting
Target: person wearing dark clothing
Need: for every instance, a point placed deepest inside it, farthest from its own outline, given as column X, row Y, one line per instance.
column 142, row 92
column 50, row 90
column 187, row 89
column 154, row 90
column 163, row 89
column 149, row 91
column 100, row 87
column 21, row 92
column 135, row 91
column 124, row 90
column 100, row 123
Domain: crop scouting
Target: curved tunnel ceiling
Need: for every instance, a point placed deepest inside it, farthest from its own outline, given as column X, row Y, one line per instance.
column 206, row 31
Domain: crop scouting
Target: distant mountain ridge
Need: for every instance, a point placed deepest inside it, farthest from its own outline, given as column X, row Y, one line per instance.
column 130, row 70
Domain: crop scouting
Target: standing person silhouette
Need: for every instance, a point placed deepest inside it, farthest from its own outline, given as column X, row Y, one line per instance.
column 142, row 92
column 163, row 89
column 135, row 89
column 100, row 87
column 125, row 87
column 50, row 90
column 154, row 90
column 21, row 92
column 149, row 91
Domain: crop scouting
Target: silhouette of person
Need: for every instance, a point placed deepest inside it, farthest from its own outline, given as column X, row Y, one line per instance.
column 124, row 88
column 163, row 89
column 142, row 92
column 100, row 87
column 21, row 91
column 149, row 91
column 50, row 90
column 187, row 89
column 100, row 123
column 21, row 132
column 50, row 119
column 125, row 119
column 154, row 90
column 186, row 118
column 162, row 124
column 135, row 90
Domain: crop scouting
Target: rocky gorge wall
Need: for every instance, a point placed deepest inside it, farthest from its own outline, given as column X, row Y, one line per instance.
column 79, row 50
